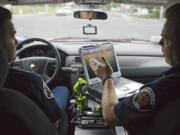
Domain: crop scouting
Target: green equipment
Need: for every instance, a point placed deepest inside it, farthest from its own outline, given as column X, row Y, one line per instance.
column 79, row 88
column 81, row 102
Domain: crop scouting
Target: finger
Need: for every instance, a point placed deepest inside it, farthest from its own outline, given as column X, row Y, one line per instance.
column 93, row 63
column 92, row 60
column 96, row 62
column 105, row 62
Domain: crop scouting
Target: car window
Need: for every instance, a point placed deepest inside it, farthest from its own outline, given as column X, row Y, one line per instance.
column 125, row 21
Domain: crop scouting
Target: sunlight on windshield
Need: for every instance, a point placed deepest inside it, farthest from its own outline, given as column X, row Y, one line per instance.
column 57, row 21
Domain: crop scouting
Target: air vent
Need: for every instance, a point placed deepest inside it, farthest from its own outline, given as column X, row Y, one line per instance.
column 77, row 59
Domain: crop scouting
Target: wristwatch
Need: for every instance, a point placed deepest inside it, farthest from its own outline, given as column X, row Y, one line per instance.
column 105, row 78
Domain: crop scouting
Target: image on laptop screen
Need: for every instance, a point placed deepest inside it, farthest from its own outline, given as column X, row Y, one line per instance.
column 97, row 52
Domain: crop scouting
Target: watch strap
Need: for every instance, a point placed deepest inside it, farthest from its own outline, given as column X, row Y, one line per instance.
column 105, row 78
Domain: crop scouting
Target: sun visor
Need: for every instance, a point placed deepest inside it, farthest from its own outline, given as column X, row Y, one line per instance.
column 7, row 2
column 92, row 2
column 32, row 2
column 149, row 2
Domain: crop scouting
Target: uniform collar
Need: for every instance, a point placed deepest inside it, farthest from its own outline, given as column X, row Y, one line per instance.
column 172, row 70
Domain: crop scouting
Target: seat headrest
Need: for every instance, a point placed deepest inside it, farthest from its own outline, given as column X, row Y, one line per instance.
column 21, row 116
column 166, row 121
column 3, row 67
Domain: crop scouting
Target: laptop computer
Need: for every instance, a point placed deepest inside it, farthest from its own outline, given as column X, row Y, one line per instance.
column 123, row 87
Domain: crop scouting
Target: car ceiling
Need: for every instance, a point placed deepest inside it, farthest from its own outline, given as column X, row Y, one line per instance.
column 27, row 2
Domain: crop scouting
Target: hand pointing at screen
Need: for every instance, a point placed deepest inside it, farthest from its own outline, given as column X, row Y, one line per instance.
column 103, row 69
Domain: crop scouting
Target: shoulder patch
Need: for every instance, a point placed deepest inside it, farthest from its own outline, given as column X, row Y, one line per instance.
column 47, row 91
column 144, row 100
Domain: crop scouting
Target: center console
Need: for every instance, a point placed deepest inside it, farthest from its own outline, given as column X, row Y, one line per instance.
column 89, row 120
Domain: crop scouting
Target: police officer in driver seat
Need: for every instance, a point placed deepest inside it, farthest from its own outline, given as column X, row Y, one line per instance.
column 136, row 111
column 54, row 103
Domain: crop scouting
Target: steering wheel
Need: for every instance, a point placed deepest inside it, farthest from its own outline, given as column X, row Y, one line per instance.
column 40, row 65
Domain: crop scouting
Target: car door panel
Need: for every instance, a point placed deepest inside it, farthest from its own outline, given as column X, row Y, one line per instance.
column 143, row 74
column 142, row 68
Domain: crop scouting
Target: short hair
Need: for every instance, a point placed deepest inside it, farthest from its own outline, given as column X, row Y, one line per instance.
column 172, row 28
column 5, row 14
column 173, row 11
column 172, row 15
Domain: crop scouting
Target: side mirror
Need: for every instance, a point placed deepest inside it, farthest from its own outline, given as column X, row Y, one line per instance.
column 90, row 15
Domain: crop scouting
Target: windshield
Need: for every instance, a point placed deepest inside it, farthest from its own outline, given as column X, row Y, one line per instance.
column 56, row 21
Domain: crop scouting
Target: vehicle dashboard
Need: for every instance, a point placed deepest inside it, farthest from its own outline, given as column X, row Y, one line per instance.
column 40, row 50
column 140, row 62
column 37, row 50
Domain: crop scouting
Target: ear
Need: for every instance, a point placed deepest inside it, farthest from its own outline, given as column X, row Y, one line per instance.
column 168, row 42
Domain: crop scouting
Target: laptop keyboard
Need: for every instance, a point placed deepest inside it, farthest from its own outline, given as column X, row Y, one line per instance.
column 119, row 83
column 123, row 87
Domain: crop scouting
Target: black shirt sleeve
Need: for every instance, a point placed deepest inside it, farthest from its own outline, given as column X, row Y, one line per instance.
column 137, row 110
column 166, row 89
column 32, row 85
column 46, row 100
column 134, row 112
column 126, row 111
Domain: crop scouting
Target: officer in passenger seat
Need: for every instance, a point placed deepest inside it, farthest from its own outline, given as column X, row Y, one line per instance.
column 136, row 111
column 30, row 84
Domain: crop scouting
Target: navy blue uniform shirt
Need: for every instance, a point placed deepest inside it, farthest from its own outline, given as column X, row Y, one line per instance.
column 32, row 85
column 134, row 112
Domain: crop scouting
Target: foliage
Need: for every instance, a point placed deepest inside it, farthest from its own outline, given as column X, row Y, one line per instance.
column 156, row 13
column 148, row 7
column 49, row 9
column 111, row 5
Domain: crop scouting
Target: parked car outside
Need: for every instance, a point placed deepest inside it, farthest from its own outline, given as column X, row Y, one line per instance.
column 63, row 12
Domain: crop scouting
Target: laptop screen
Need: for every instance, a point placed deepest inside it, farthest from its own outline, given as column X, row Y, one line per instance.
column 97, row 52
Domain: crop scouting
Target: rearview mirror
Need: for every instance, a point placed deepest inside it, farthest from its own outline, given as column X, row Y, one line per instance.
column 90, row 15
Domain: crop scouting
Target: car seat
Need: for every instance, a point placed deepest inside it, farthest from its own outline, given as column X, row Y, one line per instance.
column 167, row 120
